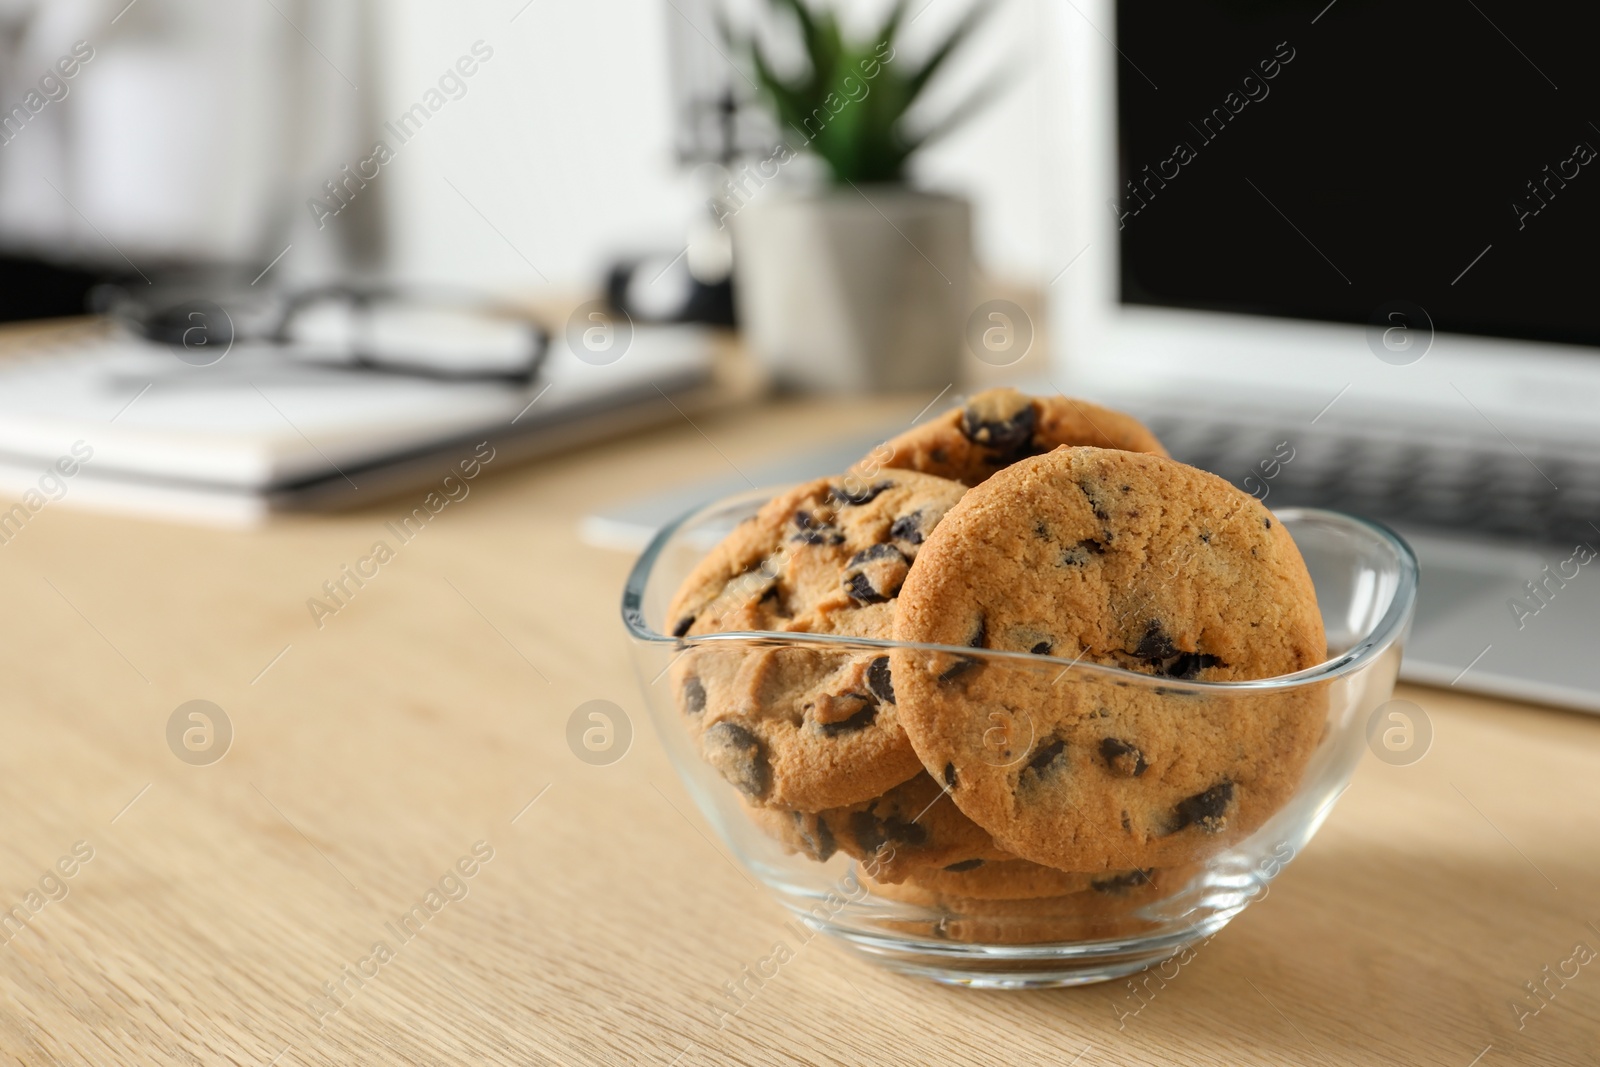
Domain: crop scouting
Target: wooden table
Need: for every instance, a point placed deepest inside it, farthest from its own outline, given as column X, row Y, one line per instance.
column 372, row 755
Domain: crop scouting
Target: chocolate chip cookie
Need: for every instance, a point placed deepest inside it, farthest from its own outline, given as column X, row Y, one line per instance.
column 916, row 834
column 998, row 427
column 806, row 726
column 1120, row 559
column 912, row 827
column 1015, row 879
column 1111, row 907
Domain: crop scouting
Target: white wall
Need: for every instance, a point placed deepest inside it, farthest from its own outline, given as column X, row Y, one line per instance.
column 564, row 140
column 170, row 139
column 203, row 130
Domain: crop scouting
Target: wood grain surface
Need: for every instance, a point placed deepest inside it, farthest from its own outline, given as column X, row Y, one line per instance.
column 373, row 754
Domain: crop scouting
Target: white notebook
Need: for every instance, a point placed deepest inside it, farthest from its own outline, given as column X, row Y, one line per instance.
column 259, row 431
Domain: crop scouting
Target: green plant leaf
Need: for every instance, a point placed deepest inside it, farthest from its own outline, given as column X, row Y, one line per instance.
column 863, row 137
column 846, row 141
column 830, row 46
column 891, row 26
column 960, row 32
column 788, row 103
column 961, row 113
column 808, row 26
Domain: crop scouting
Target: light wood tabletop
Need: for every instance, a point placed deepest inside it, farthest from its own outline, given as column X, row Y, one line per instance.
column 409, row 749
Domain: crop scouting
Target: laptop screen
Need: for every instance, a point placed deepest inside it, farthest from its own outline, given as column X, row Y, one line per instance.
column 1336, row 161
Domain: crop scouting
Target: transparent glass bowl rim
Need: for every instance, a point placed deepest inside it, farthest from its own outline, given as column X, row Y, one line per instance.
column 1387, row 630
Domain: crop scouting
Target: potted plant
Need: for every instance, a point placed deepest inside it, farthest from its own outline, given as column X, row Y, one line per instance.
column 864, row 282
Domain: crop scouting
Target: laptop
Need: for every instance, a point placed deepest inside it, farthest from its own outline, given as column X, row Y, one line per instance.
column 1341, row 254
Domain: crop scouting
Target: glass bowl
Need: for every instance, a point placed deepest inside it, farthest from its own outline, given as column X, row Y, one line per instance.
column 1048, row 928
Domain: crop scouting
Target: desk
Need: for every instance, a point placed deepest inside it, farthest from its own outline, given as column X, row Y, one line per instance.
column 371, row 755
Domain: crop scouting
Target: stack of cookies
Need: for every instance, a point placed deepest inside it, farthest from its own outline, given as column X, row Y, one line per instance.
column 1008, row 792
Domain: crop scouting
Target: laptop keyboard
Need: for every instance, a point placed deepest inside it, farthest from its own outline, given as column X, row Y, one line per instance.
column 1458, row 484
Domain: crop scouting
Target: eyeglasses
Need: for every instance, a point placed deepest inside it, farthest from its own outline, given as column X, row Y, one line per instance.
column 375, row 329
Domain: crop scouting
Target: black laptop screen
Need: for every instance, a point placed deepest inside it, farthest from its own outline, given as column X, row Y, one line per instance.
column 1323, row 161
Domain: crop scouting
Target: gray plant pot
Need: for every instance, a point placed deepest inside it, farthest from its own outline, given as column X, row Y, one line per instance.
column 849, row 290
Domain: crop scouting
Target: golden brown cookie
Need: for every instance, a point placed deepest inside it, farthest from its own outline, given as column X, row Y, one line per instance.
column 1125, row 560
column 998, row 427
column 805, row 726
column 1111, row 909
column 914, row 833
column 913, row 826
column 1012, row 879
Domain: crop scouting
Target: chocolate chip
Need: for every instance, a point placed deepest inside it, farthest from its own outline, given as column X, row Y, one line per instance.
column 1041, row 649
column 1268, row 522
column 1158, row 652
column 1046, row 755
column 1122, row 758
column 906, row 833
column 1190, row 664
column 860, row 589
column 1079, row 554
column 959, row 667
column 683, row 626
column 859, row 721
column 818, row 842
column 844, row 497
column 980, row 635
column 1126, row 825
column 694, row 695
column 867, row 831
column 1093, row 495
column 822, row 845
column 878, row 680
column 1155, row 644
column 1205, row 535
column 765, row 571
column 979, row 638
column 1041, row 531
column 950, row 775
column 812, row 531
column 1121, row 883
column 872, row 833
column 875, row 574
column 964, row 865
column 907, row 528
column 739, row 756
column 1126, row 488
column 758, row 583
column 990, row 422
column 937, row 455
column 1206, row 810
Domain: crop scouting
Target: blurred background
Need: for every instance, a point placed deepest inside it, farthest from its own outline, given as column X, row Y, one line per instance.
column 404, row 218
column 198, row 132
